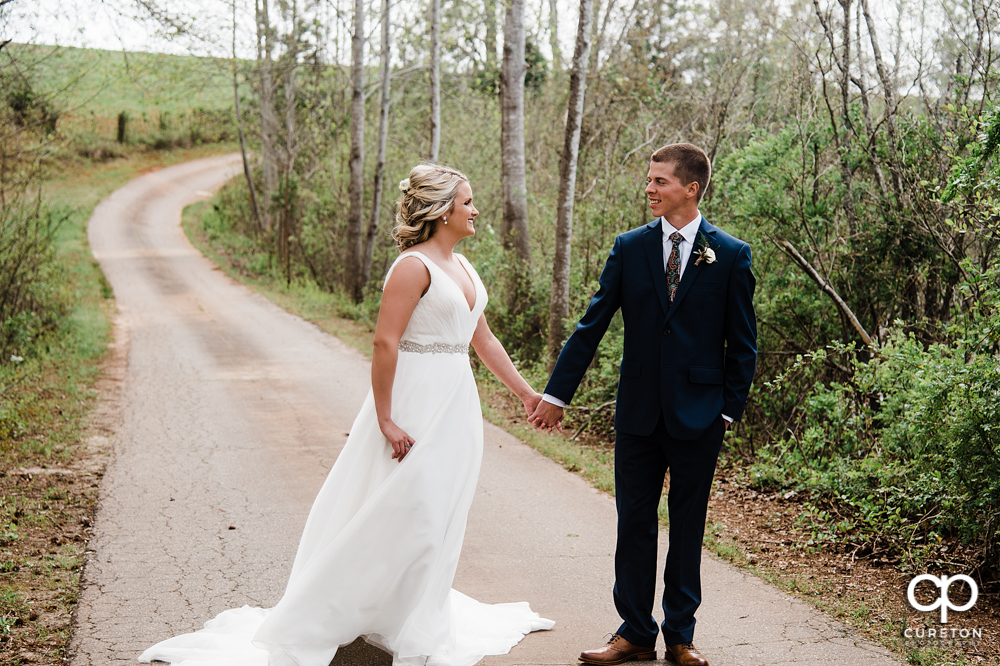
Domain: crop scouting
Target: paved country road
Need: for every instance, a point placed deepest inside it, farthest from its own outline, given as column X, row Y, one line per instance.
column 234, row 410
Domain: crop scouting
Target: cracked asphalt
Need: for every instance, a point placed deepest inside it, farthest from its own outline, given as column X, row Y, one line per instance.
column 233, row 412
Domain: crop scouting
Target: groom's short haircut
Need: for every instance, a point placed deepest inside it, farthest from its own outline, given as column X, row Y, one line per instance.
column 691, row 164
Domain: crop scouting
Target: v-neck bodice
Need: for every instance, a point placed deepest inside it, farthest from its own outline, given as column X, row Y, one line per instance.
column 443, row 314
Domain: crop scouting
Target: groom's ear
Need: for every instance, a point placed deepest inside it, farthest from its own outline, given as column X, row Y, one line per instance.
column 692, row 189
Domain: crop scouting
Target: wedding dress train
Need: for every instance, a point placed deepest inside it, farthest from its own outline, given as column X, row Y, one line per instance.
column 382, row 541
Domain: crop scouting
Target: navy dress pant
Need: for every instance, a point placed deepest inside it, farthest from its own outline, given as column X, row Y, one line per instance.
column 640, row 466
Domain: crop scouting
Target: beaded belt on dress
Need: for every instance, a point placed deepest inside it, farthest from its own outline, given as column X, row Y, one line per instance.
column 434, row 348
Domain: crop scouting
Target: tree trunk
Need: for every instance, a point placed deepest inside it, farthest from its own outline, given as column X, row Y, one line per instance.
column 514, row 229
column 554, row 36
column 255, row 204
column 843, row 141
column 559, row 303
column 122, row 124
column 888, row 89
column 490, row 7
column 243, row 141
column 383, row 134
column 355, row 188
column 287, row 198
column 600, row 31
column 268, row 116
column 432, row 156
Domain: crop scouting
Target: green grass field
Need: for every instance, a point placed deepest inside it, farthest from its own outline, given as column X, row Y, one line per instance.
column 104, row 83
column 164, row 96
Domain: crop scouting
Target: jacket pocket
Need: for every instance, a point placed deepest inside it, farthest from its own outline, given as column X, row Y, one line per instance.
column 630, row 369
column 705, row 376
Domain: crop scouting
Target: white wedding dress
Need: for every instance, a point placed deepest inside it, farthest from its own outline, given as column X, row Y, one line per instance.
column 381, row 545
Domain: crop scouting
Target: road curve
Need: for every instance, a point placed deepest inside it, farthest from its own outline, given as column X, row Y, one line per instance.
column 234, row 411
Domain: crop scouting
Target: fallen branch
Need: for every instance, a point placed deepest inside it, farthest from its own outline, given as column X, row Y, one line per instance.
column 826, row 288
column 594, row 411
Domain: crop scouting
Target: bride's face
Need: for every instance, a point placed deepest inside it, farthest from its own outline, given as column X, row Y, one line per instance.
column 463, row 213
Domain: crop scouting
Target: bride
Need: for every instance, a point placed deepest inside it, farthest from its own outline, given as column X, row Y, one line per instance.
column 381, row 545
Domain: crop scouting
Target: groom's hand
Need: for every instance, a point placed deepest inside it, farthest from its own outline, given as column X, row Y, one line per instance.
column 547, row 416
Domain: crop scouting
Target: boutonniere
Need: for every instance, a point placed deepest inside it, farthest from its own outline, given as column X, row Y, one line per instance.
column 704, row 251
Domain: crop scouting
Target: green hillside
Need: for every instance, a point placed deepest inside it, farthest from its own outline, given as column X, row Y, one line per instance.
column 105, row 83
column 167, row 100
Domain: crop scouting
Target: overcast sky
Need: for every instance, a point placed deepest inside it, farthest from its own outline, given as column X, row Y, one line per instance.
column 112, row 24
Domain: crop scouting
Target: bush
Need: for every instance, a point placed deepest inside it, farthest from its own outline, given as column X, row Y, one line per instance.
column 31, row 298
column 905, row 457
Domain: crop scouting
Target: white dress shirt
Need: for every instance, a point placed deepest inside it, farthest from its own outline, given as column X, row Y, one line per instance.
column 690, row 233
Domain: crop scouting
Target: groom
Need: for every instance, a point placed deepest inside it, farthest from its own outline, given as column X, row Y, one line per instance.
column 685, row 290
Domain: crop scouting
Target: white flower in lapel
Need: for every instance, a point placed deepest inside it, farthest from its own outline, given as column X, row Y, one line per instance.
column 704, row 252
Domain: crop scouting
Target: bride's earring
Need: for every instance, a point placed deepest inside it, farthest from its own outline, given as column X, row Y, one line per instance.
column 445, row 219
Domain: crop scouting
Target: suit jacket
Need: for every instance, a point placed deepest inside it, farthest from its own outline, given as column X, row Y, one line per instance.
column 693, row 359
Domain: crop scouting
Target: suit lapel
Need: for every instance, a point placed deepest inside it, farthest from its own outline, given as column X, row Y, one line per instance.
column 653, row 240
column 691, row 271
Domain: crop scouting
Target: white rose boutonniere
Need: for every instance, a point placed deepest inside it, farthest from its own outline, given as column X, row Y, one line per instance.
column 704, row 252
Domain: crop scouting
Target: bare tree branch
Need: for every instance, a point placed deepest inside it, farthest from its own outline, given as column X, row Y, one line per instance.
column 889, row 91
column 799, row 349
column 826, row 288
column 559, row 301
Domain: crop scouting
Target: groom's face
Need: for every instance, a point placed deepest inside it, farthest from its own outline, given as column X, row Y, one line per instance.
column 665, row 191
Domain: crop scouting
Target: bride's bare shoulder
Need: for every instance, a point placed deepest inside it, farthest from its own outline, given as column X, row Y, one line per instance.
column 409, row 274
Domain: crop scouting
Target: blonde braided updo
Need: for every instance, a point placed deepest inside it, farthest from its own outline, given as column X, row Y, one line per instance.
column 427, row 194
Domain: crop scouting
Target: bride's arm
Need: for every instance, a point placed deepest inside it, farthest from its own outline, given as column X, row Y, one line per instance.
column 492, row 353
column 408, row 282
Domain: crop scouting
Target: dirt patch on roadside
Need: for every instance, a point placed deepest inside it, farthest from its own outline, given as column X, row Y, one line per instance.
column 46, row 531
column 762, row 532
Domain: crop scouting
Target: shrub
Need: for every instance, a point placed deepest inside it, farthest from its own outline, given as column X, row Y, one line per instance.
column 906, row 454
column 31, row 298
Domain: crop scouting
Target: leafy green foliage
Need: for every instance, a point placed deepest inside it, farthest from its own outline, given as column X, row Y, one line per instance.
column 906, row 453
column 32, row 298
column 975, row 180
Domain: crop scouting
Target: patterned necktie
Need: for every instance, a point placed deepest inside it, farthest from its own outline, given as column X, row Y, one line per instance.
column 674, row 265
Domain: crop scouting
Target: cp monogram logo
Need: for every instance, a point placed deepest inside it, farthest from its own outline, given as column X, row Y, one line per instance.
column 943, row 602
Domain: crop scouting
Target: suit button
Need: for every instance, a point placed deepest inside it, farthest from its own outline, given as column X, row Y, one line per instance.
column 667, row 331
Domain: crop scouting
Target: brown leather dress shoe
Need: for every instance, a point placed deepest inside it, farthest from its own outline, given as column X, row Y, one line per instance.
column 618, row 651
column 685, row 654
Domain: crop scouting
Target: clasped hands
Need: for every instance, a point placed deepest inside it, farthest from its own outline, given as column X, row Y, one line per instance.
column 541, row 414
column 546, row 416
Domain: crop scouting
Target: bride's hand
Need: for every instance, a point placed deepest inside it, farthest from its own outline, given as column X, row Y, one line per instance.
column 531, row 402
column 401, row 442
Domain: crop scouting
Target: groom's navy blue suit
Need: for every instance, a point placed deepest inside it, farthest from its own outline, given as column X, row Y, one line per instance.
column 685, row 364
